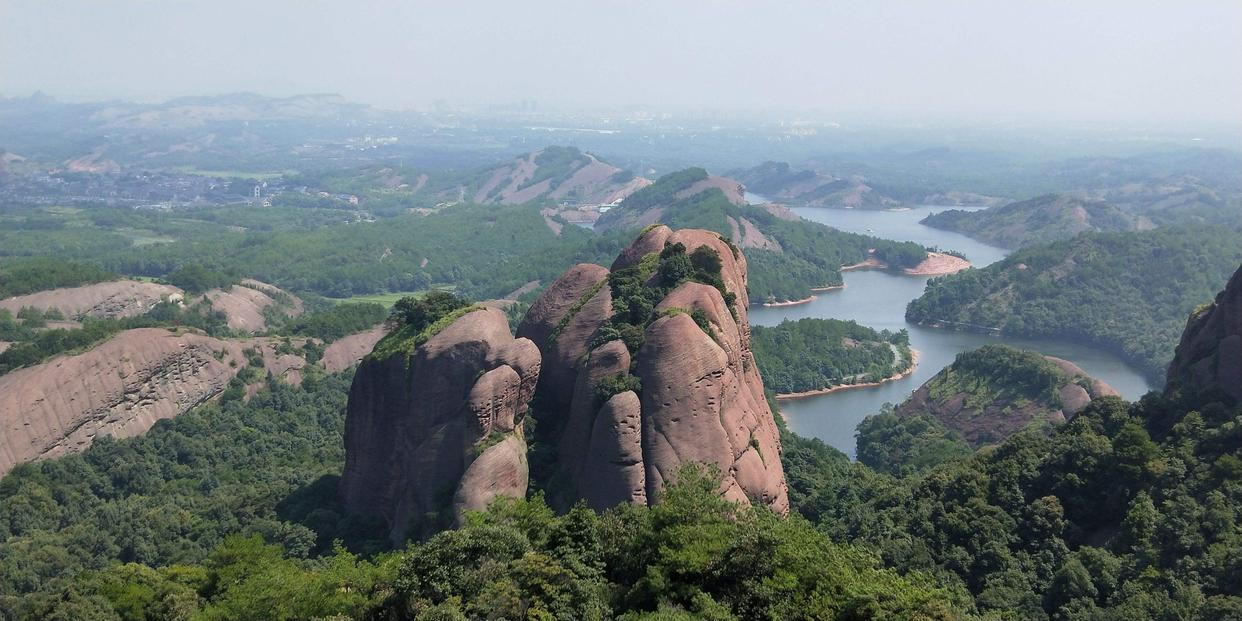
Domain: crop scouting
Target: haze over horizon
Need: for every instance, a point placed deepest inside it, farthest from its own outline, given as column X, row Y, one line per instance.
column 1108, row 61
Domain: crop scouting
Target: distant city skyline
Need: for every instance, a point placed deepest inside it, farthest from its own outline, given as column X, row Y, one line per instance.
column 962, row 61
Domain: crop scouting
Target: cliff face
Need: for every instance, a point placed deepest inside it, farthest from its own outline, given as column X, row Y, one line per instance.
column 1208, row 363
column 627, row 395
column 439, row 430
column 119, row 388
column 694, row 392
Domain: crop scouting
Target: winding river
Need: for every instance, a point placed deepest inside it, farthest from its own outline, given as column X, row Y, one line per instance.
column 878, row 299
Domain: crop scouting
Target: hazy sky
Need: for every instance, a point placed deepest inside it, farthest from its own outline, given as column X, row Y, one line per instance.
column 1127, row 60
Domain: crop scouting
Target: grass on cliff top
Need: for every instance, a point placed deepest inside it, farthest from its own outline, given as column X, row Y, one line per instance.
column 419, row 320
column 406, row 339
column 995, row 372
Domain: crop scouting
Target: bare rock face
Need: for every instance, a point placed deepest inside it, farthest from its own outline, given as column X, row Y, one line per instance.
column 244, row 305
column 561, row 323
column 120, row 388
column 436, row 432
column 1208, row 364
column 347, row 351
column 700, row 397
column 120, row 298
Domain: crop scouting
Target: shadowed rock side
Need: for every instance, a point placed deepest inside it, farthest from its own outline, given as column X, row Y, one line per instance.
column 120, row 388
column 701, row 398
column 1208, row 363
column 439, row 431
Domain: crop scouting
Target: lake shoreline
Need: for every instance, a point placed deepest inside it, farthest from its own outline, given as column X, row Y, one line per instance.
column 914, row 365
column 806, row 300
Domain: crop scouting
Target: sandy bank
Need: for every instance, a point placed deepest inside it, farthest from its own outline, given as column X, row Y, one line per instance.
column 938, row 264
column 791, row 302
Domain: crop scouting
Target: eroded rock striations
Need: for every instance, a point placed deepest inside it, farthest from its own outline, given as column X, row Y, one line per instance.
column 437, row 430
column 1207, row 366
column 627, row 395
column 121, row 298
column 120, row 388
column 696, row 394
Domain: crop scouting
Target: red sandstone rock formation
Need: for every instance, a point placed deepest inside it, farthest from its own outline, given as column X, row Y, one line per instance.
column 121, row 298
column 701, row 395
column 439, row 431
column 120, row 388
column 1004, row 417
column 1208, row 364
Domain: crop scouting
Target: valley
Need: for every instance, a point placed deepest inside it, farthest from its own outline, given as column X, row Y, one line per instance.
column 878, row 299
column 444, row 365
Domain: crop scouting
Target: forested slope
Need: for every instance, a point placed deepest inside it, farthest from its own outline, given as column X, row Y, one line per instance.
column 1130, row 292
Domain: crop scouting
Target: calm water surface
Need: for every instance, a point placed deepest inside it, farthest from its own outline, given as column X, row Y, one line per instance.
column 878, row 299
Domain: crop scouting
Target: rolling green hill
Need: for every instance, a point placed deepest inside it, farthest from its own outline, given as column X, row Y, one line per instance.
column 1130, row 292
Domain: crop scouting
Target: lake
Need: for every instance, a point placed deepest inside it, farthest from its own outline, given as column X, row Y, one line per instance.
column 878, row 299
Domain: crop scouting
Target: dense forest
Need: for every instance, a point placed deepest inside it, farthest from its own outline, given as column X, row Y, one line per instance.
column 1129, row 511
column 813, row 354
column 998, row 373
column 309, row 249
column 37, row 274
column 1130, row 292
column 462, row 247
column 229, row 512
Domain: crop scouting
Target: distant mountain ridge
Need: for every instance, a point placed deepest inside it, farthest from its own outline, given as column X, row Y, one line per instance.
column 1041, row 219
column 808, row 188
column 562, row 175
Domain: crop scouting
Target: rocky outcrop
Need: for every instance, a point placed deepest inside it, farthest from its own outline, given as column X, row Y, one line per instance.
column 563, row 174
column 1207, row 366
column 120, row 389
column 120, row 298
column 697, row 398
column 733, row 191
column 438, row 431
column 347, row 351
column 982, row 397
column 244, row 305
column 561, row 322
column 810, row 188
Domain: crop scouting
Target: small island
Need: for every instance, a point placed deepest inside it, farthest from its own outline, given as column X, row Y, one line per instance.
column 817, row 356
